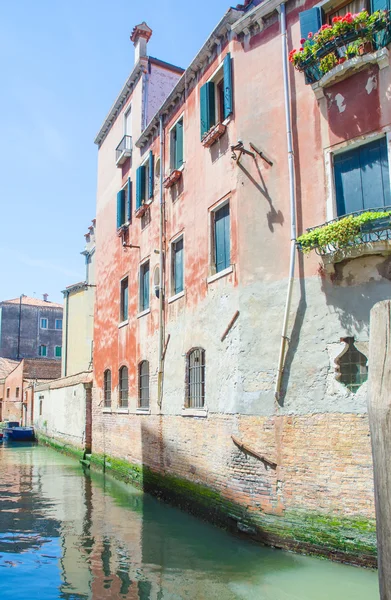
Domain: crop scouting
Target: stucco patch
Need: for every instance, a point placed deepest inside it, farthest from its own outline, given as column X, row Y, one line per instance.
column 371, row 84
column 340, row 100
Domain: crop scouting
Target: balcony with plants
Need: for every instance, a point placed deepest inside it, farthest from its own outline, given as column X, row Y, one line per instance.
column 350, row 236
column 352, row 40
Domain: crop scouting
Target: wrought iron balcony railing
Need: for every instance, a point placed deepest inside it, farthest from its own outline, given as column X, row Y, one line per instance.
column 373, row 230
column 123, row 150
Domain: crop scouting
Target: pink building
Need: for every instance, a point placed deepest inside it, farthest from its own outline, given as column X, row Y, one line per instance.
column 200, row 177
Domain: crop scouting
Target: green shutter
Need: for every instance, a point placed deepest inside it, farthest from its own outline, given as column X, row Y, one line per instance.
column 129, row 201
column 207, row 107
column 140, row 186
column 150, row 175
column 380, row 5
column 179, row 145
column 310, row 21
column 228, row 103
column 120, row 208
column 178, row 266
column 222, row 239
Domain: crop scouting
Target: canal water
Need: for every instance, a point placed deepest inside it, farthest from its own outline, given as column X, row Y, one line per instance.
column 74, row 535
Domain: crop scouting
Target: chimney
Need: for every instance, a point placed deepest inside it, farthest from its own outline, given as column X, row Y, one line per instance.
column 45, row 297
column 140, row 37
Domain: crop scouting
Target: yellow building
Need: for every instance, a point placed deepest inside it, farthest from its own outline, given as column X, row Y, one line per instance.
column 79, row 316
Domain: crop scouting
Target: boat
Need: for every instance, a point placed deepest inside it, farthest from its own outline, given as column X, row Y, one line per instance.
column 14, row 433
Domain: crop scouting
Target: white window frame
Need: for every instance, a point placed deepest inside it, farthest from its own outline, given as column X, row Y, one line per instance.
column 173, row 241
column 44, row 319
column 55, row 324
column 331, row 197
column 171, row 168
column 145, row 163
column 125, row 187
column 144, row 311
column 127, row 111
column 124, row 321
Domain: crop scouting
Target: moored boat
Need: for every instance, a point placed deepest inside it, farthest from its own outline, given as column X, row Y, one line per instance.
column 19, row 434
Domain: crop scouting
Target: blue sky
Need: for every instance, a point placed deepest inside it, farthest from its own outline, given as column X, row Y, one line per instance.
column 62, row 65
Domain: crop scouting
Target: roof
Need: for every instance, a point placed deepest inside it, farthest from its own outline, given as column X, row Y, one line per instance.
column 7, row 366
column 33, row 302
column 39, row 368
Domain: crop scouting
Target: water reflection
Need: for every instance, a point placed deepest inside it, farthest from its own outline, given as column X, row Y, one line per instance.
column 74, row 535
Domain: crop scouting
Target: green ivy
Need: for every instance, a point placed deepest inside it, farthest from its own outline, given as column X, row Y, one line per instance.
column 339, row 233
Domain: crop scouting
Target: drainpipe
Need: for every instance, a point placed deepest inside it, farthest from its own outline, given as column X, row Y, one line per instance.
column 161, row 265
column 291, row 169
column 65, row 353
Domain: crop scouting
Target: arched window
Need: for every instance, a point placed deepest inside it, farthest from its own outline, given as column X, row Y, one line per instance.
column 143, row 388
column 107, row 388
column 123, row 387
column 195, row 378
column 352, row 368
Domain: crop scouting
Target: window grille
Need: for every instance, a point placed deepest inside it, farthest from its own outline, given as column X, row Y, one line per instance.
column 352, row 366
column 196, row 378
column 107, row 388
column 123, row 387
column 144, row 384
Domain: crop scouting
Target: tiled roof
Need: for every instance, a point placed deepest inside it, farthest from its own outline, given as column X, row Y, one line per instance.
column 7, row 366
column 38, row 368
column 33, row 302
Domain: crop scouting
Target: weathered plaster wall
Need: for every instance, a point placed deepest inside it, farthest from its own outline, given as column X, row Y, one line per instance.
column 79, row 332
column 12, row 406
column 63, row 415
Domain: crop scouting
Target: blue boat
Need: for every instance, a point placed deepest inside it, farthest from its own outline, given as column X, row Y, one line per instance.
column 14, row 433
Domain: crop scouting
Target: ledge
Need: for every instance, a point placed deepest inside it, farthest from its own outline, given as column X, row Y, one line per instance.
column 194, row 412
column 173, row 177
column 213, row 135
column 143, row 313
column 123, row 323
column 106, row 409
column 143, row 411
column 346, row 69
column 223, row 273
column 121, row 411
column 176, row 297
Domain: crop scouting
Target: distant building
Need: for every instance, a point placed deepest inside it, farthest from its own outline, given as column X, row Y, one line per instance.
column 17, row 383
column 30, row 328
column 79, row 315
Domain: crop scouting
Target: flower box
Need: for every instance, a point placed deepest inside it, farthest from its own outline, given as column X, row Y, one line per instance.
column 213, row 135
column 141, row 210
column 173, row 177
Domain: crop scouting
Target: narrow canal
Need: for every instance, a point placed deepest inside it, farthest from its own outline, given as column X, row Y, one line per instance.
column 66, row 534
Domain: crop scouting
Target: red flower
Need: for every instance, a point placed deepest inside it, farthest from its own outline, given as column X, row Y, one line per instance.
column 341, row 60
column 302, row 40
column 301, row 49
column 310, row 35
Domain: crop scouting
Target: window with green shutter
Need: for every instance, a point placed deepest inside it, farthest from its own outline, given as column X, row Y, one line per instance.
column 144, row 286
column 222, row 238
column 57, row 352
column 140, row 186
column 216, row 97
column 177, row 266
column 121, row 209
column 124, row 300
column 176, row 145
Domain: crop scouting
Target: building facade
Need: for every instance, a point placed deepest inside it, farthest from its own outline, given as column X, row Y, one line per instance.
column 30, row 328
column 198, row 272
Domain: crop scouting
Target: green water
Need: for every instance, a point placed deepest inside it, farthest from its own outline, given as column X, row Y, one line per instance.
column 67, row 534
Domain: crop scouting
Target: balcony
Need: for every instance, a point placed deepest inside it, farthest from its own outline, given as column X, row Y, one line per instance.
column 336, row 51
column 357, row 234
column 124, row 150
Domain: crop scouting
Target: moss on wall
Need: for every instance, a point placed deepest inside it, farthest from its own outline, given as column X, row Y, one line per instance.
column 351, row 540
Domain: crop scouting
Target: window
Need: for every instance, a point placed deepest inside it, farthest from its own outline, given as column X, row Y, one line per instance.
column 311, row 20
column 42, row 350
column 128, row 122
column 176, row 146
column 40, row 405
column 8, row 392
column 195, row 377
column 123, row 387
column 124, row 204
column 216, row 99
column 352, row 368
column 144, row 286
column 222, row 242
column 58, row 324
column 361, row 177
column 124, row 301
column 143, row 375
column 144, row 181
column 177, row 265
column 107, row 388
column 345, row 7
column 17, row 392
column 58, row 351
column 44, row 323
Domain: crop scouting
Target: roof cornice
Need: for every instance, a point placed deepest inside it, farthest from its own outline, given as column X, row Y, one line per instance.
column 198, row 63
column 140, row 68
column 255, row 16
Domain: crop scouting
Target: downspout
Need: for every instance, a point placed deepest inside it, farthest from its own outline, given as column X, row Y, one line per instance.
column 161, row 265
column 291, row 169
column 65, row 354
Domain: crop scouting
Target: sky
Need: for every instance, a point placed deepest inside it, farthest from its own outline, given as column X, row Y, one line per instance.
column 62, row 65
